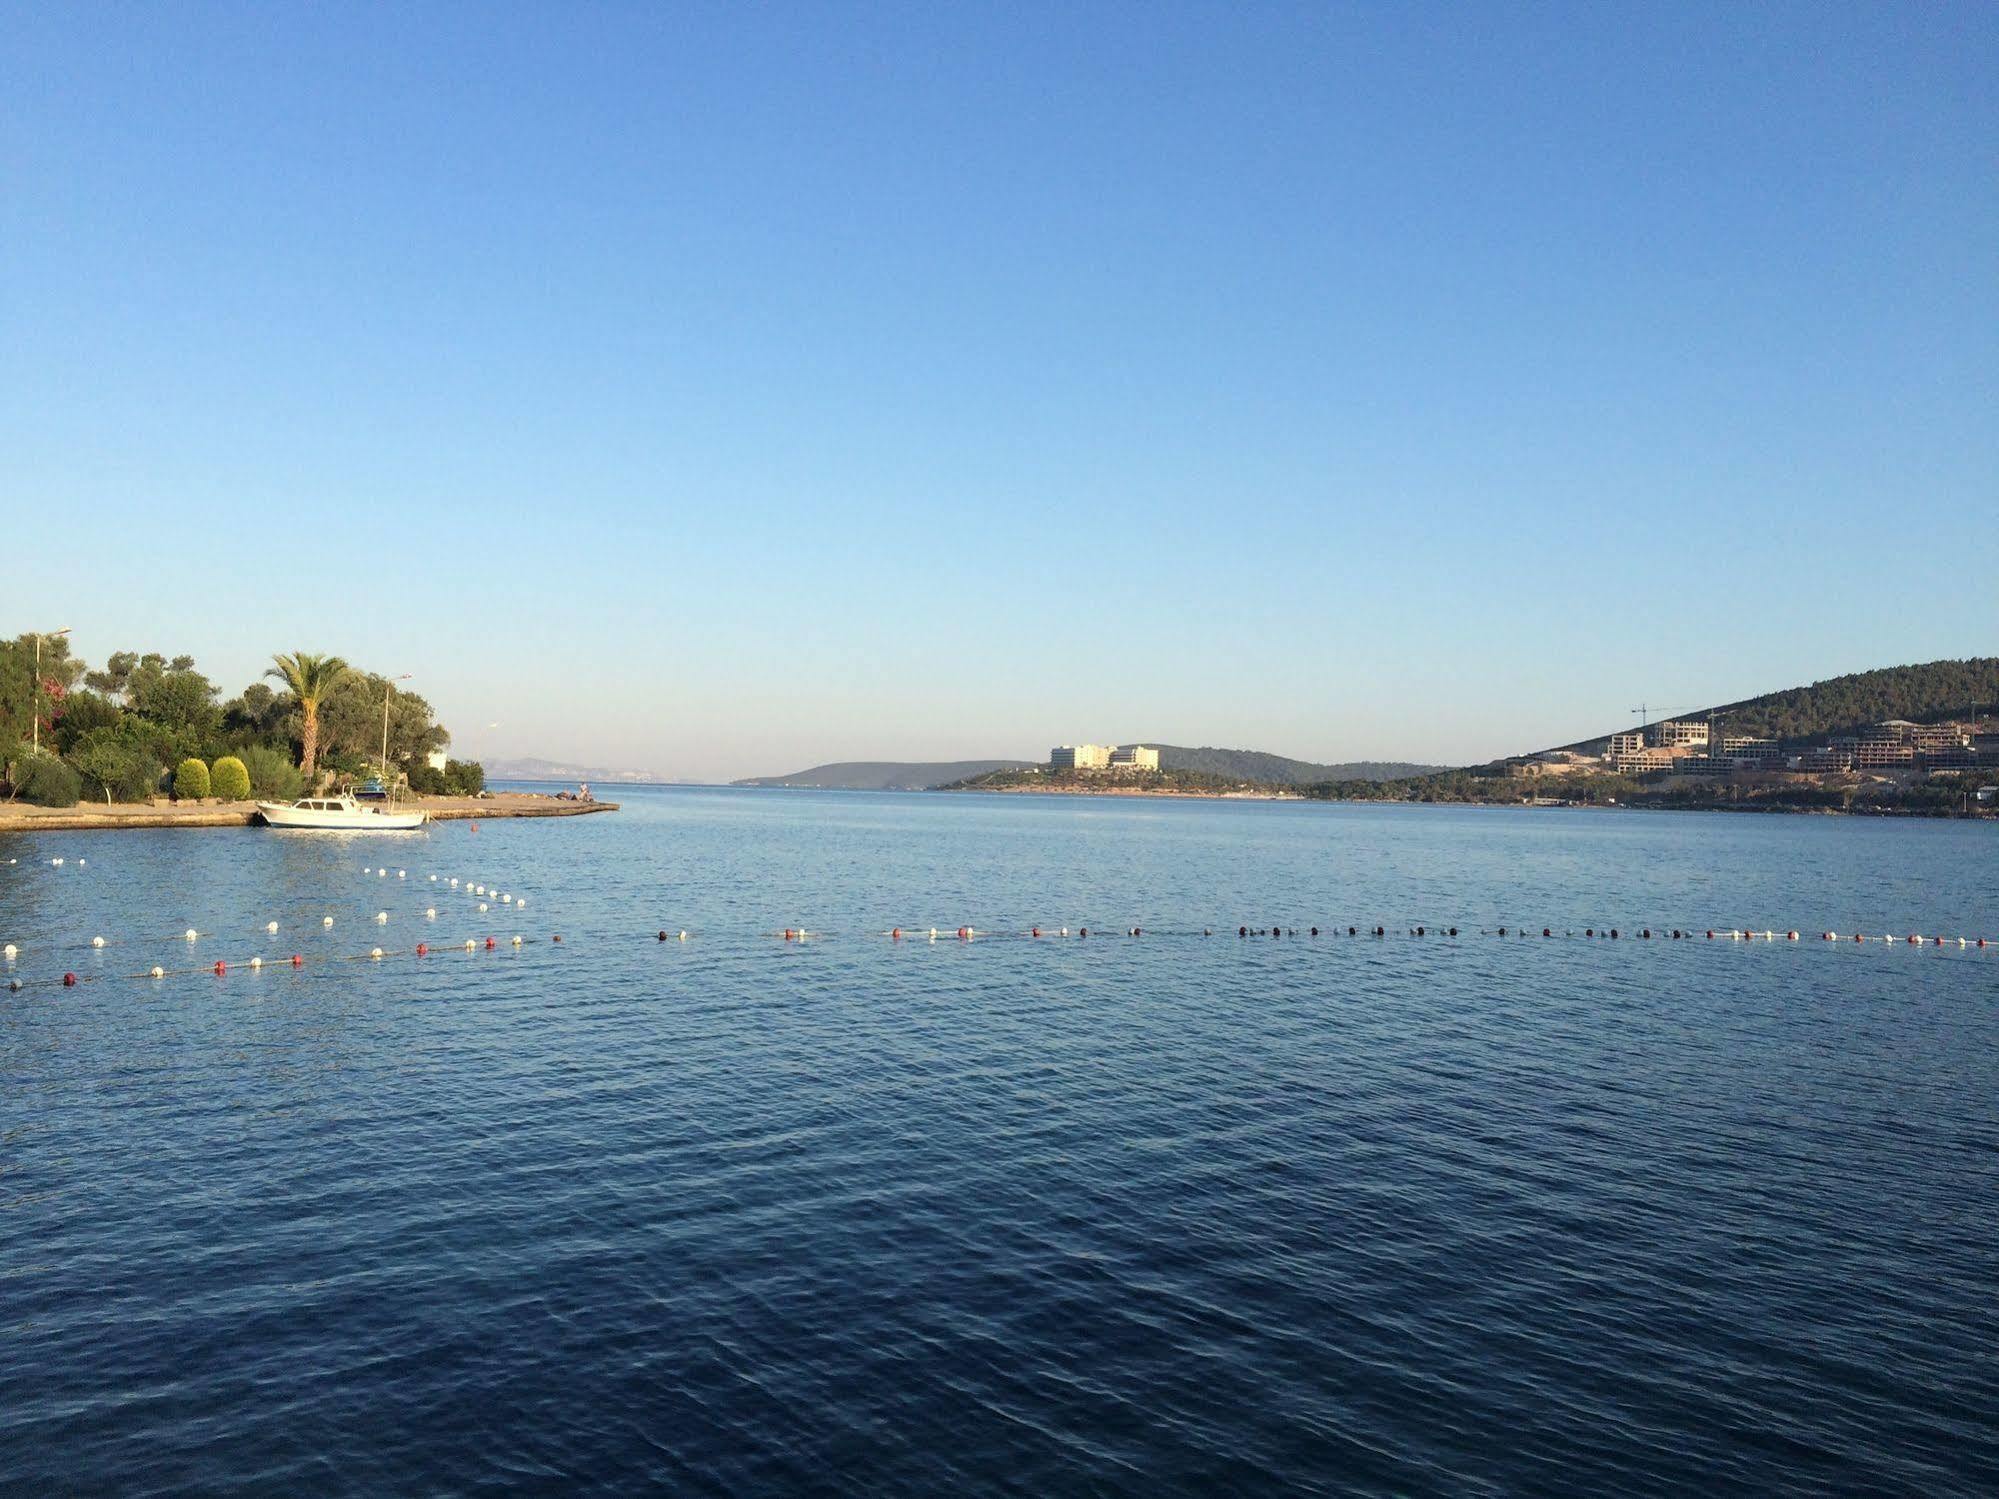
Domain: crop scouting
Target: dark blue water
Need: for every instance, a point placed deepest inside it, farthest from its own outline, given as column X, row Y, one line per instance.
column 1166, row 1214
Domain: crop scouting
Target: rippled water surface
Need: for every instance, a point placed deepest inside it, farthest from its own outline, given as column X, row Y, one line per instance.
column 1124, row 1215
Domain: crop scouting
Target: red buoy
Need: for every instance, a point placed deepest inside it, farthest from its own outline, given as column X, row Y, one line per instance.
column 297, row 961
column 423, row 949
column 491, row 944
column 896, row 934
column 1034, row 931
column 69, row 981
column 220, row 967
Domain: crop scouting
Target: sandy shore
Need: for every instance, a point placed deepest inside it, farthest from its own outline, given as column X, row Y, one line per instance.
column 19, row 817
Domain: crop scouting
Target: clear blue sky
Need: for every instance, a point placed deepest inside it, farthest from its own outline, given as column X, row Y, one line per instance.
column 725, row 388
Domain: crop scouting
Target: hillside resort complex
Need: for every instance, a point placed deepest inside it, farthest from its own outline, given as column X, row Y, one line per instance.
column 1694, row 747
column 1103, row 759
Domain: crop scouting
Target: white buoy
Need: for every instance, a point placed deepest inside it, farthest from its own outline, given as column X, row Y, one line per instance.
column 376, row 953
column 683, row 936
column 81, row 862
column 10, row 952
column 381, row 918
column 517, row 940
column 326, row 921
column 433, row 879
column 402, row 874
column 506, row 900
column 470, row 944
column 270, row 926
column 96, row 941
column 381, row 874
column 430, row 913
column 482, row 905
column 159, row 972
column 367, row 869
column 56, row 862
column 192, row 934
column 454, row 882
column 256, row 962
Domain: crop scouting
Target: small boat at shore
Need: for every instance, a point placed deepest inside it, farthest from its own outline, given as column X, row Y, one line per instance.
column 338, row 814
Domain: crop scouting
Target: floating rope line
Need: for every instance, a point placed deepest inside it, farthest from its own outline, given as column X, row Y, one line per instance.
column 965, row 936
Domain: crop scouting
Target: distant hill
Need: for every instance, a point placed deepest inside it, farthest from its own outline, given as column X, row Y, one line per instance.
column 1230, row 765
column 1279, row 770
column 1839, row 705
column 885, row 775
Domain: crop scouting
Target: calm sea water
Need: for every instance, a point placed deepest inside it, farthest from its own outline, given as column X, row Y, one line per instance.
column 1166, row 1214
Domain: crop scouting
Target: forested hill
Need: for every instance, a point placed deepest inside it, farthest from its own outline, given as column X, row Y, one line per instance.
column 1278, row 770
column 1922, row 694
column 1228, row 765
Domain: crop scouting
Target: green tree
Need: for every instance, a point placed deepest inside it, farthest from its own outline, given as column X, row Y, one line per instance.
column 83, row 713
column 191, row 781
column 351, row 722
column 175, row 696
column 117, row 766
column 310, row 679
column 230, row 779
column 259, row 715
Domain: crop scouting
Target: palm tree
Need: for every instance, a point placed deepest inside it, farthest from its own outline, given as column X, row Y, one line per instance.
column 310, row 679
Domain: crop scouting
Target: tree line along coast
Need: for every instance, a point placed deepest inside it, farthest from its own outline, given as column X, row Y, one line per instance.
column 146, row 726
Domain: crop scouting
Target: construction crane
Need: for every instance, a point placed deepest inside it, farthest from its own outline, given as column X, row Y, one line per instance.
column 1645, row 711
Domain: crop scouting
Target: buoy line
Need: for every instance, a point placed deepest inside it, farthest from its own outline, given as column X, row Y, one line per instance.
column 295, row 963
column 1329, row 937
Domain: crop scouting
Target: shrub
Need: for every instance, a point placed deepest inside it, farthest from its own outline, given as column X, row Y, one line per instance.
column 427, row 782
column 190, row 781
column 272, row 773
column 230, row 778
column 466, row 777
column 47, row 782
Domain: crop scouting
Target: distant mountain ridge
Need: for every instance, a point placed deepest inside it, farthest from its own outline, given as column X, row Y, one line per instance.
column 1238, row 765
column 885, row 775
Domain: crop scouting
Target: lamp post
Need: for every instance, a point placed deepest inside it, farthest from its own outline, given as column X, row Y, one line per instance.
column 36, row 705
column 388, row 690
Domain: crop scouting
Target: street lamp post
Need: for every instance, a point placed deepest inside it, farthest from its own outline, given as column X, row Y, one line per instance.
column 36, row 704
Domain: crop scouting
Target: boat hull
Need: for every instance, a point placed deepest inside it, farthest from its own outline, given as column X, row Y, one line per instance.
column 359, row 820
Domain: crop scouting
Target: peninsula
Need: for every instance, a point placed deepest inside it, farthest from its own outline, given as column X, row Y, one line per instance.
column 145, row 742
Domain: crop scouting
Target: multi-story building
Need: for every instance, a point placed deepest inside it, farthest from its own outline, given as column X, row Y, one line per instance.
column 1138, row 757
column 1678, row 733
column 1080, row 757
column 1629, row 743
column 1824, row 759
column 1750, row 749
column 1643, row 762
column 1883, row 754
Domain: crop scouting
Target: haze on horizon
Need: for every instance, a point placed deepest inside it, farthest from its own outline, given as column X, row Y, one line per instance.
column 723, row 391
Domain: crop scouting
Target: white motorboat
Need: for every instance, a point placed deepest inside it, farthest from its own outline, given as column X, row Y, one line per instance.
column 339, row 814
